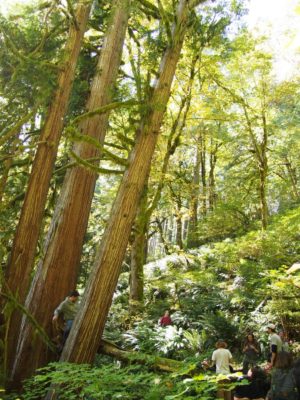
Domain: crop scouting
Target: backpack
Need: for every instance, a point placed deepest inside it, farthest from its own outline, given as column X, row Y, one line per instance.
column 283, row 385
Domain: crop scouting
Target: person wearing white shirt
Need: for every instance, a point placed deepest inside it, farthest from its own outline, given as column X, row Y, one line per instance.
column 221, row 358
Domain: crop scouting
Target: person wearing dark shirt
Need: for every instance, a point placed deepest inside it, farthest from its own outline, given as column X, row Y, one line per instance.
column 251, row 352
column 165, row 319
column 257, row 388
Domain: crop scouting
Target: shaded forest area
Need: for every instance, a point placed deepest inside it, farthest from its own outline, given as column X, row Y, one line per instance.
column 150, row 160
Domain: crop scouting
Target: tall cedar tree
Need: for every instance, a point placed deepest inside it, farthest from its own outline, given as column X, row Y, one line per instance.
column 88, row 326
column 57, row 272
column 24, row 246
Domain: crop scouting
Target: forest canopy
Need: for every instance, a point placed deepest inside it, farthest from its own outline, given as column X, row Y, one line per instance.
column 150, row 161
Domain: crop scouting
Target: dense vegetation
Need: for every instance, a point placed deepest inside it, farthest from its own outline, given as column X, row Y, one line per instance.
column 149, row 156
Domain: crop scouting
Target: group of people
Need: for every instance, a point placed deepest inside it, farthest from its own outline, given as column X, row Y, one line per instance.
column 282, row 384
column 280, row 380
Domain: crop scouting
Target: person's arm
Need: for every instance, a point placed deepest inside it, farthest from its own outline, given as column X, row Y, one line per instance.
column 273, row 354
column 255, row 348
column 213, row 359
column 58, row 311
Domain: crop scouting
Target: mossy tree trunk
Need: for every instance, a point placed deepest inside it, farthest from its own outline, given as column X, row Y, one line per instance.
column 88, row 326
column 57, row 272
column 202, row 140
column 20, row 265
column 213, row 154
column 192, row 234
column 141, row 227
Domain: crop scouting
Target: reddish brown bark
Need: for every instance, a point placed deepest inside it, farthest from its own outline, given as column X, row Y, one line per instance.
column 24, row 247
column 88, row 326
column 57, row 272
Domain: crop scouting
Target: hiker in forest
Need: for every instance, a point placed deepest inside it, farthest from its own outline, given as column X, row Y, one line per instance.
column 221, row 358
column 275, row 344
column 67, row 310
column 165, row 320
column 283, row 382
column 251, row 351
column 257, row 388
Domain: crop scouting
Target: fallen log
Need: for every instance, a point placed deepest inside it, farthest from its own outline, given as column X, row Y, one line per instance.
column 161, row 363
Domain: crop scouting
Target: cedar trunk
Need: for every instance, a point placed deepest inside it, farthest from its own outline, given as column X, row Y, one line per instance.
column 57, row 272
column 88, row 326
column 21, row 261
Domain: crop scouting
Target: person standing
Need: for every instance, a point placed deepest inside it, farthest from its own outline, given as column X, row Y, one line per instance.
column 283, row 381
column 67, row 309
column 275, row 344
column 221, row 358
column 251, row 352
column 165, row 319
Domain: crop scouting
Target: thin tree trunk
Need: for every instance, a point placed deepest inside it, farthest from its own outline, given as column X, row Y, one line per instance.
column 57, row 272
column 7, row 164
column 203, row 171
column 293, row 178
column 138, row 256
column 21, row 261
column 139, row 248
column 162, row 232
column 88, row 326
column 211, row 177
column 178, row 218
column 263, row 173
column 192, row 236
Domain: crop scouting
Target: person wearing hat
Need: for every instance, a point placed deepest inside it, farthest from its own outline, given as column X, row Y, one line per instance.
column 275, row 343
column 221, row 359
column 67, row 309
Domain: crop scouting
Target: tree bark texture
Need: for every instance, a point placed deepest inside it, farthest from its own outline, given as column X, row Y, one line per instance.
column 7, row 164
column 57, row 271
column 88, row 326
column 138, row 255
column 192, row 237
column 203, row 171
column 161, row 363
column 24, row 247
column 179, row 227
column 141, row 226
column 292, row 174
column 211, row 177
column 263, row 173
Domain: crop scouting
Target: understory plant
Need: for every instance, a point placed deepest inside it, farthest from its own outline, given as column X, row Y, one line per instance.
column 114, row 381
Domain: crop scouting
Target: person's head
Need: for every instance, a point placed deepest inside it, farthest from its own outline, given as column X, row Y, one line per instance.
column 250, row 337
column 167, row 313
column 284, row 360
column 271, row 328
column 73, row 296
column 221, row 344
column 257, row 373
